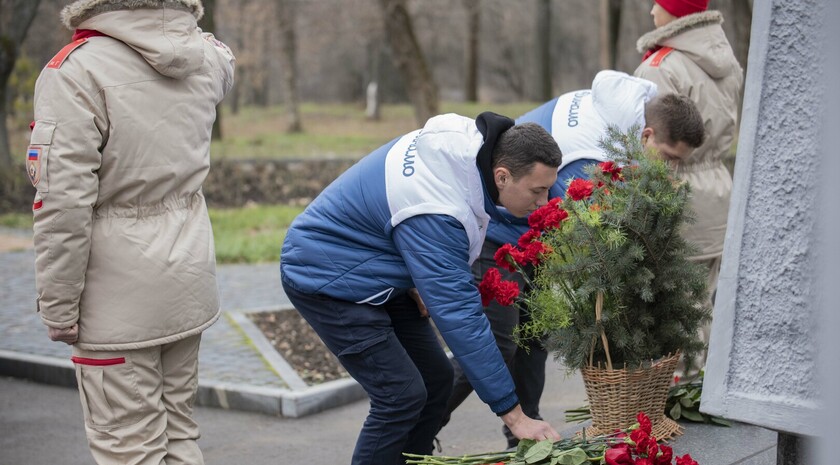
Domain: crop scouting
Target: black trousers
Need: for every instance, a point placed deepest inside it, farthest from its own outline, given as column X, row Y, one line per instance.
column 526, row 365
column 394, row 353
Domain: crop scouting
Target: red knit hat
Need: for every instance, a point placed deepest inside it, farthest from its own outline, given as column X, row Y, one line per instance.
column 680, row 8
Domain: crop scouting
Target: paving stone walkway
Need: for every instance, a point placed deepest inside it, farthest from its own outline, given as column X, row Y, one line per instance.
column 226, row 355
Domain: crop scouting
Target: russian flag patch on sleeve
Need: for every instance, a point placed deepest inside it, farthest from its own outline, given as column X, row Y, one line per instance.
column 33, row 164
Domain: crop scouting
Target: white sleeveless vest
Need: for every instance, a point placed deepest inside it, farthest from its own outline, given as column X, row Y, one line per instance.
column 580, row 118
column 433, row 171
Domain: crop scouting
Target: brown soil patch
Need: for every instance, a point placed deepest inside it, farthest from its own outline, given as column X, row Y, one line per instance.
column 297, row 342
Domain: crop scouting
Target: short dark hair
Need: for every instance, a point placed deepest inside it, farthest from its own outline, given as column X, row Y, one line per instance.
column 675, row 118
column 523, row 145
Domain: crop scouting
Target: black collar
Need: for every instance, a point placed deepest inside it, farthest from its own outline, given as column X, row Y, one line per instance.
column 491, row 126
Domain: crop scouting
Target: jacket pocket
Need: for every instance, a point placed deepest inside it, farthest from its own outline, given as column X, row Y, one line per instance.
column 38, row 155
column 108, row 390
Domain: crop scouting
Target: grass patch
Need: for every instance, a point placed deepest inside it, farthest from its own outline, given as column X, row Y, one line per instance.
column 252, row 234
column 330, row 130
column 16, row 220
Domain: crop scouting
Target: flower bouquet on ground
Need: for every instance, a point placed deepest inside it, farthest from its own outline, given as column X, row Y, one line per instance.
column 612, row 292
column 633, row 446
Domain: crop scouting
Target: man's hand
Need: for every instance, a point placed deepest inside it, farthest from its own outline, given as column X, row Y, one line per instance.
column 524, row 427
column 424, row 312
column 68, row 336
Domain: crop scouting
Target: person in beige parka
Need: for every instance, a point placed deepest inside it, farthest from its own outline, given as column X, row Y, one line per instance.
column 124, row 256
column 689, row 54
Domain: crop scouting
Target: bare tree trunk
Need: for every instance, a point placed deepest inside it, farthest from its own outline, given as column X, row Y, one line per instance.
column 18, row 16
column 372, row 92
column 263, row 69
column 409, row 60
column 543, row 48
column 635, row 21
column 471, row 72
column 235, row 95
column 610, row 19
column 208, row 24
column 286, row 23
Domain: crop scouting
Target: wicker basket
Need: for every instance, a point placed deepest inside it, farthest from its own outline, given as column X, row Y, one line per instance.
column 617, row 395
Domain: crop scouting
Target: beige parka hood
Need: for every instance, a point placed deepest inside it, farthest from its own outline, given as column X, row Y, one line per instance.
column 177, row 52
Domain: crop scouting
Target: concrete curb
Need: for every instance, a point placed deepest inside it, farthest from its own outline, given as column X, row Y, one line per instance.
column 266, row 349
column 301, row 399
column 38, row 368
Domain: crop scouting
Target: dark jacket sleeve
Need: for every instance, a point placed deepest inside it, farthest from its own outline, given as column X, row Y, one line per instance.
column 435, row 249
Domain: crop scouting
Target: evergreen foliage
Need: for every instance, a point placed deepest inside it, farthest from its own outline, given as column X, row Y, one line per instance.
column 622, row 241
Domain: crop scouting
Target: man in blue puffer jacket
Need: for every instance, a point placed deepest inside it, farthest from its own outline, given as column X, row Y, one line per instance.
column 577, row 120
column 393, row 238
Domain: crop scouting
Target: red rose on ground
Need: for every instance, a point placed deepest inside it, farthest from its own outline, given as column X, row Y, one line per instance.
column 618, row 455
column 686, row 460
column 665, row 457
column 580, row 189
column 644, row 423
column 651, row 448
column 638, row 435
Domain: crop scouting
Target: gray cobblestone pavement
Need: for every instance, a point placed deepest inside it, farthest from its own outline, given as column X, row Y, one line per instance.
column 226, row 354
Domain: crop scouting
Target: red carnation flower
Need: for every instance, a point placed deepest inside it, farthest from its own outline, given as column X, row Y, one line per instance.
column 493, row 287
column 611, row 168
column 535, row 219
column 488, row 284
column 643, row 461
column 553, row 218
column 548, row 216
column 528, row 237
column 506, row 292
column 534, row 252
column 580, row 189
column 501, row 257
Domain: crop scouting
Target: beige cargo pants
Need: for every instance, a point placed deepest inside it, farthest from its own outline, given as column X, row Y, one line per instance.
column 138, row 404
